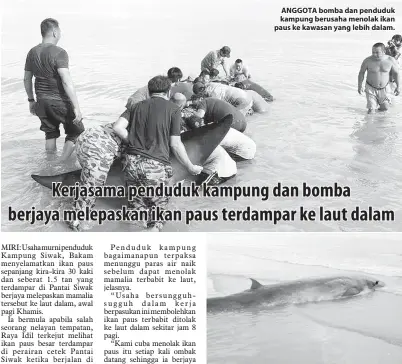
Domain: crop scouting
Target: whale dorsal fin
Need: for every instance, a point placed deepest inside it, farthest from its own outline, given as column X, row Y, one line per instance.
column 255, row 284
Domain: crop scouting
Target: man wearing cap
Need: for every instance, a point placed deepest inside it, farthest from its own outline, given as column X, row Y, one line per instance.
column 215, row 58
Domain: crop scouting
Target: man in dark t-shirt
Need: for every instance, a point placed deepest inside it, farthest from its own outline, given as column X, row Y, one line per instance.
column 219, row 166
column 150, row 128
column 56, row 100
column 212, row 110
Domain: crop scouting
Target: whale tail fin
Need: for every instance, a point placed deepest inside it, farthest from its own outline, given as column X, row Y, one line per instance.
column 255, row 284
column 199, row 144
column 67, row 179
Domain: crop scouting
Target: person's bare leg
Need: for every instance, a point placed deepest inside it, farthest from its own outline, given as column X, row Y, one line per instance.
column 384, row 106
column 50, row 146
column 67, row 151
column 372, row 102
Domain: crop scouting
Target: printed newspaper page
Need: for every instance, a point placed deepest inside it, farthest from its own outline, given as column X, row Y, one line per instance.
column 99, row 301
column 262, row 140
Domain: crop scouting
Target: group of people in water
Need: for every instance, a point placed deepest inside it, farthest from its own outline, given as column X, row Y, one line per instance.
column 150, row 127
column 382, row 78
column 156, row 115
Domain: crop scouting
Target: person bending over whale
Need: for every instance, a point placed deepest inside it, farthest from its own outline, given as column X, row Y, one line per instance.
column 184, row 87
column 214, row 77
column 214, row 59
column 174, row 74
column 150, row 128
column 96, row 149
column 260, row 105
column 239, row 72
column 204, row 78
column 219, row 166
column 234, row 96
column 249, row 85
column 380, row 68
column 213, row 110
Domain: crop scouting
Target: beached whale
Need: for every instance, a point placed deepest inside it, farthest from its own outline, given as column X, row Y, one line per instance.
column 251, row 85
column 301, row 291
column 259, row 103
column 199, row 144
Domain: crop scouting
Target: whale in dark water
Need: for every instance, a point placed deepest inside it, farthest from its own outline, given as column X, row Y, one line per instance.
column 301, row 291
column 199, row 144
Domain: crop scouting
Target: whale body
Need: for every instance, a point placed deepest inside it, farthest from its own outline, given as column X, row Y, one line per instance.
column 199, row 144
column 301, row 291
column 250, row 85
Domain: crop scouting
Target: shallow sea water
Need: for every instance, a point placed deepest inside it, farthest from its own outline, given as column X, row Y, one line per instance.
column 316, row 130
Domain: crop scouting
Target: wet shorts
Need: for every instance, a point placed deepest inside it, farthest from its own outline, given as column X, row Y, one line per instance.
column 52, row 113
column 377, row 96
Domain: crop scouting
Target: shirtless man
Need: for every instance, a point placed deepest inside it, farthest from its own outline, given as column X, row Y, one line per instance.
column 239, row 72
column 379, row 68
column 214, row 77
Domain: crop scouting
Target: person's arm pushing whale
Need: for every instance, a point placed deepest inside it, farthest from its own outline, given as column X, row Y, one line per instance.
column 120, row 127
column 180, row 153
